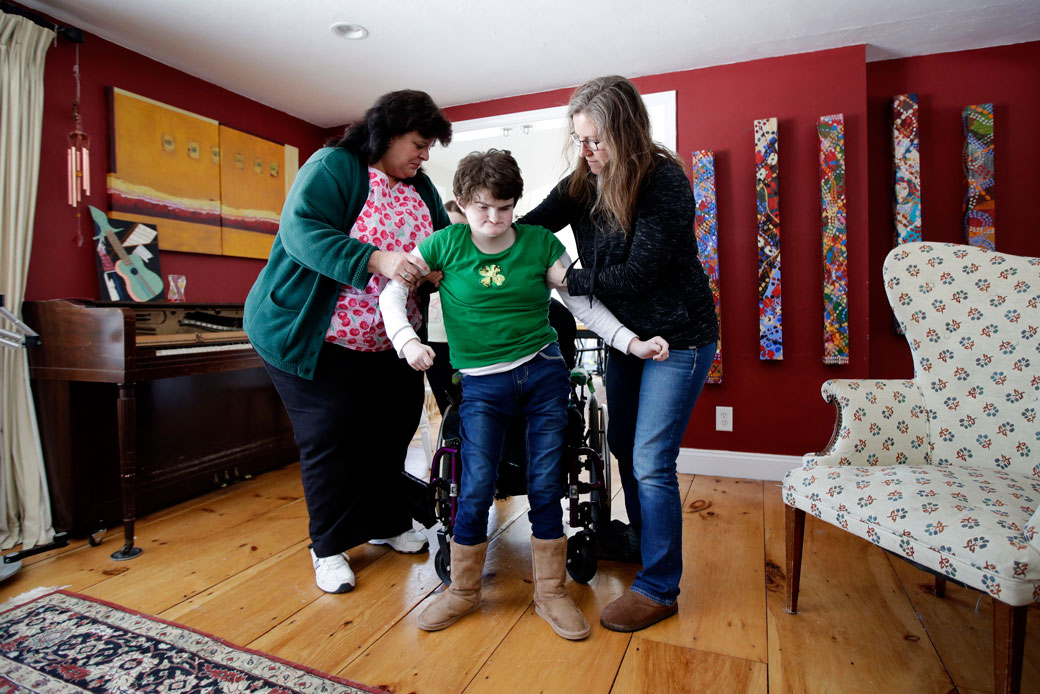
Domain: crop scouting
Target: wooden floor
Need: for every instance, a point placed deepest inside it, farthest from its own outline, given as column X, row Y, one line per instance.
column 235, row 564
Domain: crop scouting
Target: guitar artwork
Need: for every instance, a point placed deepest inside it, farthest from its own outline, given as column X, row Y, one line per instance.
column 141, row 283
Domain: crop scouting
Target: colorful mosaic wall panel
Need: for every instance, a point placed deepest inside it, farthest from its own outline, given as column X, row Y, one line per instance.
column 906, row 156
column 767, row 200
column 831, row 130
column 979, row 205
column 706, row 228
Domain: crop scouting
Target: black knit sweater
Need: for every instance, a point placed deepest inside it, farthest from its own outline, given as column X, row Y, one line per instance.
column 651, row 279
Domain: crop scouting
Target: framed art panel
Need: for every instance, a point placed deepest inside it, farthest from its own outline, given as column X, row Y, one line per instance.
column 205, row 187
column 706, row 228
column 979, row 204
column 906, row 161
column 833, row 225
column 767, row 201
column 254, row 176
column 165, row 172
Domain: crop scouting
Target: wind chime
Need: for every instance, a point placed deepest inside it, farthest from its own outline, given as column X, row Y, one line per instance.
column 78, row 157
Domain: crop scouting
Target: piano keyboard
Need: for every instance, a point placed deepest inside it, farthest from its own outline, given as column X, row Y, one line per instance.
column 194, row 349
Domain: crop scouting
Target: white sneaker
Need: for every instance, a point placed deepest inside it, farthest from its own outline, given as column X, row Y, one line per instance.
column 333, row 574
column 408, row 542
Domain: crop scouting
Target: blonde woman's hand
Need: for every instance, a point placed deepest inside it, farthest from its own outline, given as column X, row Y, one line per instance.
column 406, row 268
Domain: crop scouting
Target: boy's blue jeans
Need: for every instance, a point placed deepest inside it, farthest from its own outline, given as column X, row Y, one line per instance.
column 650, row 404
column 537, row 389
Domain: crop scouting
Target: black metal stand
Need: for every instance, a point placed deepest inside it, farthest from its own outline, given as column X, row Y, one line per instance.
column 22, row 338
column 60, row 540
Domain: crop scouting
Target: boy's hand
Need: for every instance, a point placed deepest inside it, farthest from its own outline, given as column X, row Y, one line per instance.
column 418, row 355
column 655, row 348
column 435, row 277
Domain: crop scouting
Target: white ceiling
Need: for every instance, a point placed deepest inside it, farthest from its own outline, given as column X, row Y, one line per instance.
column 281, row 52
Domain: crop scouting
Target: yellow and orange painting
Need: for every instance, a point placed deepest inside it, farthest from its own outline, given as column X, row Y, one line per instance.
column 206, row 187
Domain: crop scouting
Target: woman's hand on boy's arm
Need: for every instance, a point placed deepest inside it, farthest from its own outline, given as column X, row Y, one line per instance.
column 418, row 355
column 407, row 268
column 655, row 348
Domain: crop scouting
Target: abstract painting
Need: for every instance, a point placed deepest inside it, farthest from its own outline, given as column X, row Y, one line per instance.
column 831, row 130
column 906, row 157
column 169, row 171
column 979, row 205
column 159, row 176
column 767, row 200
column 253, row 175
column 706, row 229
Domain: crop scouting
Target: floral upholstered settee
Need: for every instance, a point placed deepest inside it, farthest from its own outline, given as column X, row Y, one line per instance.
column 944, row 469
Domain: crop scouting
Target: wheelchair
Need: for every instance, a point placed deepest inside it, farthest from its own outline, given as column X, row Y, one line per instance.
column 585, row 477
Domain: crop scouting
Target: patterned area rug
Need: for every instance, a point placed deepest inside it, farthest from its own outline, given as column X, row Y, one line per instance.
column 65, row 642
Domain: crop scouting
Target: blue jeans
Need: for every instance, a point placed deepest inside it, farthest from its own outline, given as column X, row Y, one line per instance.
column 537, row 389
column 650, row 404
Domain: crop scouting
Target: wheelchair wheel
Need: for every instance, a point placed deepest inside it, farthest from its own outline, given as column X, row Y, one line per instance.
column 581, row 557
column 442, row 564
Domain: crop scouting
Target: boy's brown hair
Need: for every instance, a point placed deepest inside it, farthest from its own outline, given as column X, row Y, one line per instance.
column 494, row 170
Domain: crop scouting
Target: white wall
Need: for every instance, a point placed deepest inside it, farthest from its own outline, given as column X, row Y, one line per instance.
column 539, row 140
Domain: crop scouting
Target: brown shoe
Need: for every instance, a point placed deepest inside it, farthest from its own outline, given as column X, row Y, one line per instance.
column 632, row 612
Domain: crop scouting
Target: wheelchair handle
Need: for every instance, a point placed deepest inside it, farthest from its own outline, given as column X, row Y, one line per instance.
column 581, row 377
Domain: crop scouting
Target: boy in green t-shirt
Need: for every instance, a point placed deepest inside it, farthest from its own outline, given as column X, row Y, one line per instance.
column 495, row 303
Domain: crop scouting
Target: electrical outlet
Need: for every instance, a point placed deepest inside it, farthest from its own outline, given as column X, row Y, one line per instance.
column 723, row 419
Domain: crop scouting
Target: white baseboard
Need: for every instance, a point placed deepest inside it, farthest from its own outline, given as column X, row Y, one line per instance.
column 756, row 466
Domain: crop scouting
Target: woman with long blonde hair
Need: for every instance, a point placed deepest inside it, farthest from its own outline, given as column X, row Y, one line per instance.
column 631, row 208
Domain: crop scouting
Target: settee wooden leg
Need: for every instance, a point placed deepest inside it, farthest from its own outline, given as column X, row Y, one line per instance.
column 795, row 533
column 940, row 586
column 1009, row 637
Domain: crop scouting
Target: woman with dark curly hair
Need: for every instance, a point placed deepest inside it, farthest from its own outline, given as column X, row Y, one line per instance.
column 356, row 209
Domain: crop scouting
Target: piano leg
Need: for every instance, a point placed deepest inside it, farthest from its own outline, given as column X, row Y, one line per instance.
column 127, row 416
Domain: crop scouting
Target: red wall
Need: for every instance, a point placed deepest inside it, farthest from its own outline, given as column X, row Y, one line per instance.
column 1007, row 76
column 61, row 268
column 776, row 405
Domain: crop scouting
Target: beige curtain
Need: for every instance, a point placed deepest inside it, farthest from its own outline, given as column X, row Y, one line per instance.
column 25, row 510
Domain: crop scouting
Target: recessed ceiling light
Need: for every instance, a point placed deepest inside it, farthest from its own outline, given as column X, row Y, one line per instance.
column 347, row 30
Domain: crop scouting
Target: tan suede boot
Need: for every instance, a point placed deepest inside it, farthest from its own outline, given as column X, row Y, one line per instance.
column 463, row 595
column 551, row 600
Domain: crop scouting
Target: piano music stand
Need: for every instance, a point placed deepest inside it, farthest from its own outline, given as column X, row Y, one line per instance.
column 22, row 337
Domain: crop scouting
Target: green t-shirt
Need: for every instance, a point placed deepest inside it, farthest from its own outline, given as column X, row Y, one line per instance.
column 496, row 306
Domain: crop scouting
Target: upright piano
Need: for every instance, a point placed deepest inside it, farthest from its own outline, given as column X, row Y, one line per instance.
column 143, row 405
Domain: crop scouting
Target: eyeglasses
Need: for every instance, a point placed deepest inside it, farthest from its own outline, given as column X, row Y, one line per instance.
column 592, row 145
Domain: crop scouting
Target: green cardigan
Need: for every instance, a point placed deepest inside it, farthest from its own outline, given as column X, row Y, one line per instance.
column 289, row 308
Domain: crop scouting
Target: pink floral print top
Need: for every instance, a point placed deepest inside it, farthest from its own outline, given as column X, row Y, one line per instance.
column 392, row 220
